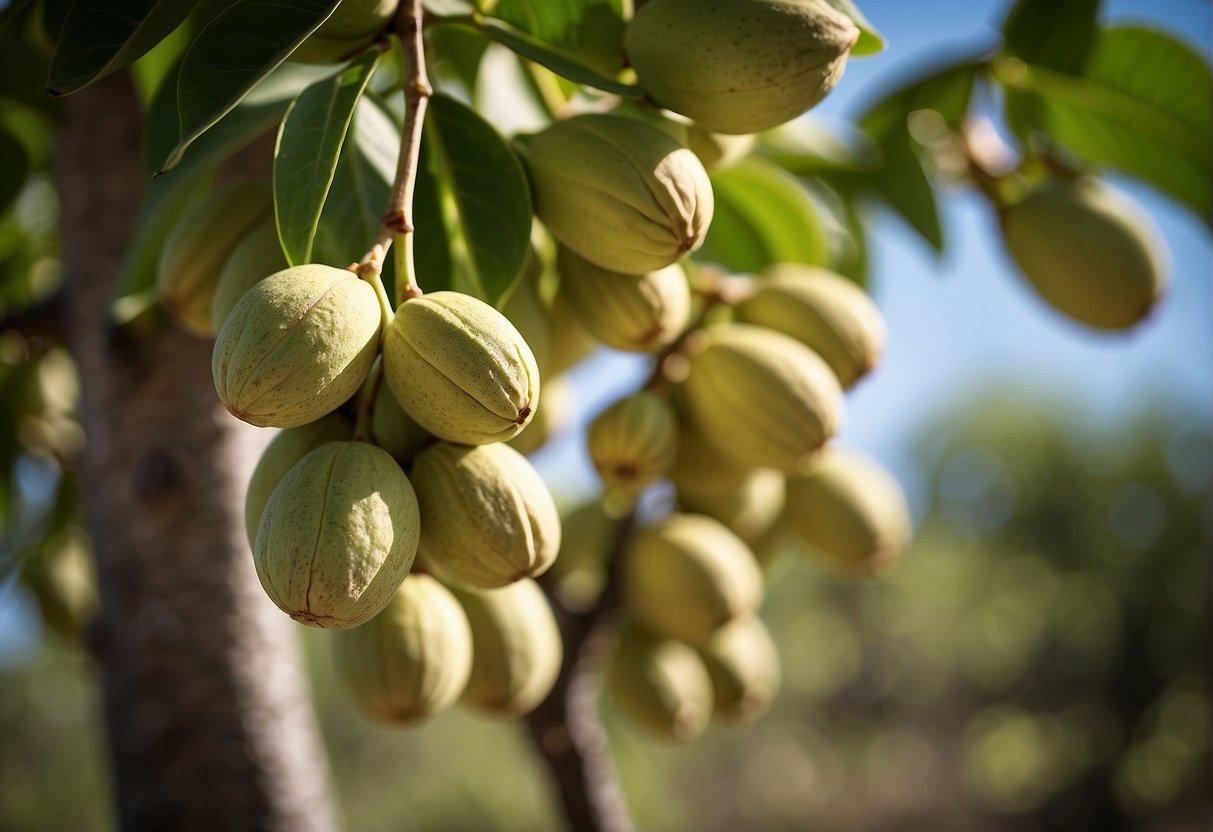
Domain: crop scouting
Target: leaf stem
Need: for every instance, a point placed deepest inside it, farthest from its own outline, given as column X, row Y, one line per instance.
column 397, row 225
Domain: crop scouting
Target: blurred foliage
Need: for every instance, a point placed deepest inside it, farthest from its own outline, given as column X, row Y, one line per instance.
column 1036, row 663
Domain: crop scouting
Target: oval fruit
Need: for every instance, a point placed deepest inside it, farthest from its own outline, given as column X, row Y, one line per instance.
column 633, row 442
column 660, row 684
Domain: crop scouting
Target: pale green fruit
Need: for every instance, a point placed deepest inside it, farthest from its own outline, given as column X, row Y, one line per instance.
column 410, row 661
column 659, row 684
column 619, row 192
column 280, row 456
column 516, row 648
column 690, row 575
column 580, row 570
column 1088, row 251
column 394, row 430
column 747, row 509
column 822, row 310
column 526, row 310
column 744, row 667
column 460, row 368
column 296, row 346
column 256, row 257
column 760, row 397
column 554, row 414
column 851, row 511
column 571, row 342
column 633, row 312
column 338, row 535
column 351, row 27
column 739, row 66
column 487, row 517
column 698, row 465
column 633, row 442
column 718, row 151
column 199, row 245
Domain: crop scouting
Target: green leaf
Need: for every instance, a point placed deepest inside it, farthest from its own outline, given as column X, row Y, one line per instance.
column 1141, row 106
column 238, row 48
column 903, row 185
column 1052, row 34
column 305, row 157
column 457, row 51
column 486, row 183
column 168, row 195
column 947, row 90
column 542, row 54
column 763, row 215
column 26, row 60
column 98, row 39
column 432, row 238
column 13, row 171
column 589, row 30
column 870, row 41
column 805, row 147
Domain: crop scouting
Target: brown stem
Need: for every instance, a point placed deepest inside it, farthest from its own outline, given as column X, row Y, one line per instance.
column 565, row 728
column 397, row 225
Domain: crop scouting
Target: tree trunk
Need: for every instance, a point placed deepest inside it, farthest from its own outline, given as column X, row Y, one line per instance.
column 209, row 716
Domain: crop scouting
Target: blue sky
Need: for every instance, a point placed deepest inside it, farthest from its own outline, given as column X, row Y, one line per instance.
column 966, row 320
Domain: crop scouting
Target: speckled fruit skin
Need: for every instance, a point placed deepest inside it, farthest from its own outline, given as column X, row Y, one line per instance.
column 280, row 456
column 1088, row 251
column 199, row 245
column 351, row 27
column 738, row 66
column 659, row 684
column 516, row 648
column 822, row 310
column 633, row 441
column 619, row 192
column 487, row 519
column 338, row 535
column 296, row 346
column 761, row 398
column 631, row 312
column 410, row 661
column 256, row 257
column 851, row 512
column 460, row 368
column 688, row 576
column 744, row 667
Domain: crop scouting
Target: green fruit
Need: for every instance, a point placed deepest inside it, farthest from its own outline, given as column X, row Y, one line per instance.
column 410, row 661
column 851, row 512
column 580, row 570
column 698, row 465
column 1088, row 251
column 689, row 576
column 748, row 509
column 338, row 535
column 571, row 342
column 394, row 430
column 739, row 66
column 634, row 312
column 516, row 648
column 621, row 193
column 487, row 518
column 526, row 310
column 280, row 456
column 822, row 310
column 258, row 255
column 718, row 151
column 760, row 397
column 352, row 27
column 199, row 245
column 460, row 368
column 553, row 415
column 659, row 684
column 296, row 346
column 633, row 442
column 744, row 667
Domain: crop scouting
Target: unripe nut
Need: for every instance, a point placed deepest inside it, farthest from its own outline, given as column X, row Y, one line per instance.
column 621, row 193
column 660, row 684
column 338, row 535
column 296, row 346
column 460, row 368
column 256, row 257
column 633, row 441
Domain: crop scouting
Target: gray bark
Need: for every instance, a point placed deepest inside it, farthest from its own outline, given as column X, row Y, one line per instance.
column 209, row 715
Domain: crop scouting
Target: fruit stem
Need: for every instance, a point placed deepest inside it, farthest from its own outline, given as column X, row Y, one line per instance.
column 397, row 224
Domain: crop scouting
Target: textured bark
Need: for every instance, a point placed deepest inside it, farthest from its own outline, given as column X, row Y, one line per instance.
column 565, row 728
column 209, row 716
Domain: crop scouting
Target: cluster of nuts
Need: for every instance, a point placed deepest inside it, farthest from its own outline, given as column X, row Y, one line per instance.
column 400, row 515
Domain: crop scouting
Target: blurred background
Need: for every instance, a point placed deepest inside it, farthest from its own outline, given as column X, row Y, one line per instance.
column 1039, row 661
